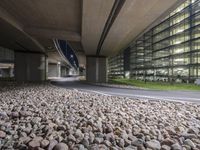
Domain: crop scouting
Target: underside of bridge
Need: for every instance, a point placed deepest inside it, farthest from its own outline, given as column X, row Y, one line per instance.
column 92, row 30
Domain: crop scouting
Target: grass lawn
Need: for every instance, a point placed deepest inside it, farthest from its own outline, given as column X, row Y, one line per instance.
column 156, row 85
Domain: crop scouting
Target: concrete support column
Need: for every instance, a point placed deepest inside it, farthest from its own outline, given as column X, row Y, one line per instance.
column 47, row 68
column 11, row 72
column 63, row 71
column 96, row 69
column 59, row 69
column 29, row 66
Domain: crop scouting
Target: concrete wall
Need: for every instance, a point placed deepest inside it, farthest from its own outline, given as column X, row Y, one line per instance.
column 30, row 67
column 96, row 69
column 52, row 70
column 57, row 70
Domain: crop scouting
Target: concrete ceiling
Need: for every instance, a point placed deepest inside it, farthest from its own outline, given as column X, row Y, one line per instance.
column 46, row 14
column 13, row 37
column 88, row 25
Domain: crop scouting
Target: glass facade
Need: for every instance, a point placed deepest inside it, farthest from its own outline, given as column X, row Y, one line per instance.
column 170, row 51
column 6, row 55
column 116, row 66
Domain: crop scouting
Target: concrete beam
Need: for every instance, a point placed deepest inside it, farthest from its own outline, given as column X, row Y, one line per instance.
column 53, row 33
column 4, row 15
column 94, row 17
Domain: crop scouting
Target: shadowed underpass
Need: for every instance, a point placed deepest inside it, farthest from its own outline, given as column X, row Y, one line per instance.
column 65, row 41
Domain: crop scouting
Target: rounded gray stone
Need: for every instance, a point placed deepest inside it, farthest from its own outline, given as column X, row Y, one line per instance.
column 60, row 146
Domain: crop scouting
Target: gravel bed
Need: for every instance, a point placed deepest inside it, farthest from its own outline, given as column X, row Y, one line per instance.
column 42, row 116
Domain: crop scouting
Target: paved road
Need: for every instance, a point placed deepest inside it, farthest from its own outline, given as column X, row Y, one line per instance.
column 191, row 96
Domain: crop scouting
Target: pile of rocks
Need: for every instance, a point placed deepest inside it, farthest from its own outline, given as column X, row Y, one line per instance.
column 38, row 117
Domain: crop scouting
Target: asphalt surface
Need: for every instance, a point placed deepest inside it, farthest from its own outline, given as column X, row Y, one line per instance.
column 183, row 96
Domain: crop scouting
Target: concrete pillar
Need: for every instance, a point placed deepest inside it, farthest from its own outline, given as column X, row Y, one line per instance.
column 63, row 71
column 29, row 66
column 47, row 68
column 11, row 72
column 59, row 69
column 96, row 69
